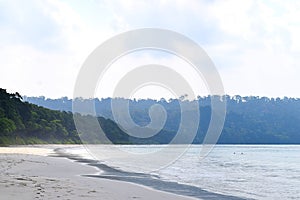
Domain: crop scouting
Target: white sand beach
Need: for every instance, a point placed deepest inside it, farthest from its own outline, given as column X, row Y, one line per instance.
column 32, row 173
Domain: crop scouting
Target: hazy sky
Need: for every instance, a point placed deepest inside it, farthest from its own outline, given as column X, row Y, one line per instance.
column 255, row 45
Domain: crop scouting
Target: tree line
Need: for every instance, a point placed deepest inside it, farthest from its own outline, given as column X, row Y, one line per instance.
column 249, row 120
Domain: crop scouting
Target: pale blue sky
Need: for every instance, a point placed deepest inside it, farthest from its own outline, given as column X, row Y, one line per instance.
column 255, row 45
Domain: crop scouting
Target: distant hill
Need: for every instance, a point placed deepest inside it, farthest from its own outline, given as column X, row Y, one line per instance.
column 249, row 120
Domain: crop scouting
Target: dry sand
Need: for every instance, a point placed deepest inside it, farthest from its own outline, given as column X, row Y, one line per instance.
column 28, row 173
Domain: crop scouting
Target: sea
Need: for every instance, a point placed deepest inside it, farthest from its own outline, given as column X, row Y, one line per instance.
column 226, row 172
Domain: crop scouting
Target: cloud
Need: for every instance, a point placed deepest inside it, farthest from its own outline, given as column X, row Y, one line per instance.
column 254, row 44
column 43, row 44
column 27, row 24
column 262, row 58
column 129, row 63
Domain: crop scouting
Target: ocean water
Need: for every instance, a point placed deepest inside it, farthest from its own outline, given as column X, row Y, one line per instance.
column 227, row 172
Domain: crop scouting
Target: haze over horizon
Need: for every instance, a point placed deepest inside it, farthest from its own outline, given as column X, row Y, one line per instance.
column 254, row 45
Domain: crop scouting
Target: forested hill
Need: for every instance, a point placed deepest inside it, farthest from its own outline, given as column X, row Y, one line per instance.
column 25, row 123
column 249, row 120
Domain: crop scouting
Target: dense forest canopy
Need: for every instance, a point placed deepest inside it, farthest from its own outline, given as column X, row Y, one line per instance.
column 249, row 120
column 25, row 123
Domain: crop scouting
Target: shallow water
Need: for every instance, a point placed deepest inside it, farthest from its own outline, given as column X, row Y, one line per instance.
column 245, row 171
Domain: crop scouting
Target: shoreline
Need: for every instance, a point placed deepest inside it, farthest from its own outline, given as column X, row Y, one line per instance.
column 145, row 180
column 36, row 172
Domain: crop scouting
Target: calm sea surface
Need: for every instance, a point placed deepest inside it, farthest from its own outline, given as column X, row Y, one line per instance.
column 245, row 171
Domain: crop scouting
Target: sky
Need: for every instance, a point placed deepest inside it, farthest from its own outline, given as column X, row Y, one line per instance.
column 255, row 45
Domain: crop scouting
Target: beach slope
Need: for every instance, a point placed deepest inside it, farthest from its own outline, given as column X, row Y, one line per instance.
column 32, row 173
